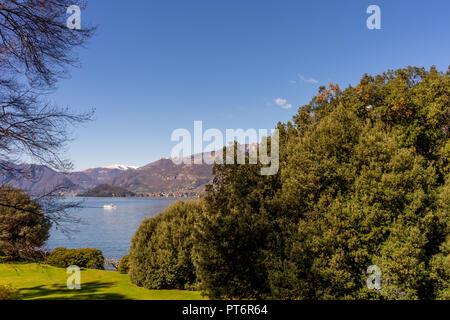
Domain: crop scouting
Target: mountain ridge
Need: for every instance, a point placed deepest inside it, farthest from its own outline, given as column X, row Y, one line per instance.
column 161, row 176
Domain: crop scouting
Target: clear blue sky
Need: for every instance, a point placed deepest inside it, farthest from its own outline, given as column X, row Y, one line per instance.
column 155, row 66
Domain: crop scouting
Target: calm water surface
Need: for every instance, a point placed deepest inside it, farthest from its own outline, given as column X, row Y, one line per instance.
column 107, row 230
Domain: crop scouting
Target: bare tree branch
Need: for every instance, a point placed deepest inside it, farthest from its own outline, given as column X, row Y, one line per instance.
column 36, row 50
column 35, row 40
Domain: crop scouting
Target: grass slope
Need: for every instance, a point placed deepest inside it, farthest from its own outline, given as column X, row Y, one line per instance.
column 35, row 281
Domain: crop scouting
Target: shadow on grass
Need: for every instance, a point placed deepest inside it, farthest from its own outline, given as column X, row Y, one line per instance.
column 88, row 291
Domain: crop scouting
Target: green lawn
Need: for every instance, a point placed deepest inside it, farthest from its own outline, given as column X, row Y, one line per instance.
column 35, row 281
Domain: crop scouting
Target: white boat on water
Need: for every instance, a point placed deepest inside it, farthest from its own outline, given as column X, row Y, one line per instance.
column 109, row 206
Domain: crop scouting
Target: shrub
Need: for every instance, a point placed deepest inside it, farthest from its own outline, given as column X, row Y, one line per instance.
column 83, row 258
column 8, row 293
column 124, row 264
column 161, row 250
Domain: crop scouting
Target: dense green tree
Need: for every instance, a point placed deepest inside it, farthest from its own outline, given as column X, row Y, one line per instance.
column 232, row 234
column 23, row 226
column 363, row 181
column 161, row 251
column 359, row 173
column 372, row 203
column 440, row 262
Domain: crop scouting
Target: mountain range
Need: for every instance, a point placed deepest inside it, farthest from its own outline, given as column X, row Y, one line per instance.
column 162, row 176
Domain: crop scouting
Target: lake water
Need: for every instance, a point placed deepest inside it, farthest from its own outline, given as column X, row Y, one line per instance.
column 107, row 230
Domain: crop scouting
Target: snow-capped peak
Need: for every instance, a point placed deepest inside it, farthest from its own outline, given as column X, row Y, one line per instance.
column 120, row 167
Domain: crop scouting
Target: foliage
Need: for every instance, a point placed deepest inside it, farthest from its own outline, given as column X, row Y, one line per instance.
column 373, row 206
column 363, row 176
column 124, row 264
column 361, row 171
column 83, row 258
column 23, row 226
column 440, row 262
column 363, row 180
column 231, row 236
column 8, row 293
column 161, row 251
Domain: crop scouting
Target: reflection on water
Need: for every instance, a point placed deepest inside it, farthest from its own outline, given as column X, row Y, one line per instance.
column 109, row 230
